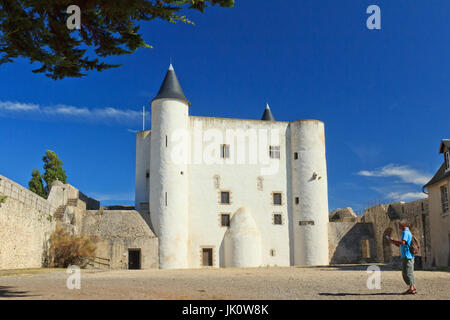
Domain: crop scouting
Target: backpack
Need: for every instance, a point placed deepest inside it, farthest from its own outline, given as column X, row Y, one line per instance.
column 414, row 247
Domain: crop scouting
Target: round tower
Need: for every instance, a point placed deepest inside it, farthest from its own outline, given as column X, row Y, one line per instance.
column 309, row 193
column 168, row 175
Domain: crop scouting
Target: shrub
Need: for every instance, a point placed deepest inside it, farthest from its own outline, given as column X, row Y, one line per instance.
column 66, row 250
column 3, row 198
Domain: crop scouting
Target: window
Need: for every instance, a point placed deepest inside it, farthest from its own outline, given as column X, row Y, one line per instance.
column 447, row 160
column 295, row 155
column 306, row 223
column 277, row 219
column 225, row 197
column 225, row 151
column 277, row 198
column 225, row 219
column 147, row 175
column 444, row 199
column 165, row 198
column 274, row 152
column 272, row 252
column 297, row 200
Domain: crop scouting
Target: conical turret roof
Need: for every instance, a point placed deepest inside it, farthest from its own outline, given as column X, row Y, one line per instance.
column 171, row 87
column 267, row 115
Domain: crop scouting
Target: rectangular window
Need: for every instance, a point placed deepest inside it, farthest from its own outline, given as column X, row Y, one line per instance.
column 277, row 198
column 277, row 219
column 296, row 156
column 166, row 142
column 224, row 151
column 447, row 160
column 297, row 200
column 225, row 197
column 444, row 199
column 306, row 223
column 165, row 198
column 274, row 152
column 225, row 219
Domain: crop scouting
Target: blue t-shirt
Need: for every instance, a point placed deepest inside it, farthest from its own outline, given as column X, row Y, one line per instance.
column 404, row 248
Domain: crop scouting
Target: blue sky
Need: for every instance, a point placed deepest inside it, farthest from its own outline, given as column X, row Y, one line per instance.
column 383, row 94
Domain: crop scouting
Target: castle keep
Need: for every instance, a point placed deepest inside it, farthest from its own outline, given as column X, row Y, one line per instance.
column 231, row 192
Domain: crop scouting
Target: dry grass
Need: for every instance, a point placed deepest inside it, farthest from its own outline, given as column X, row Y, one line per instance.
column 66, row 249
column 27, row 271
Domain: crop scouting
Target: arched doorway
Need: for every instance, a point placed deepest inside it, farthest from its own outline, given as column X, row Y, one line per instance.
column 387, row 246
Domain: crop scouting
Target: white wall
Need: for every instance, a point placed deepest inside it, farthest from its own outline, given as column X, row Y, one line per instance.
column 142, row 189
column 241, row 181
column 193, row 215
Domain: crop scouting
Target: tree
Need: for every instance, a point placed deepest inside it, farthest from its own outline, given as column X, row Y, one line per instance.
column 36, row 185
column 37, row 30
column 53, row 170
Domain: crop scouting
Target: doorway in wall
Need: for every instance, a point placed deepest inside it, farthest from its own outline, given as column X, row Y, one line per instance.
column 207, row 257
column 134, row 259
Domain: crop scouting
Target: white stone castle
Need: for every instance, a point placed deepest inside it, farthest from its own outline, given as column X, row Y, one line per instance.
column 232, row 192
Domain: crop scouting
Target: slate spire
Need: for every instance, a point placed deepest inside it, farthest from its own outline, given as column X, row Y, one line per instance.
column 267, row 115
column 171, row 88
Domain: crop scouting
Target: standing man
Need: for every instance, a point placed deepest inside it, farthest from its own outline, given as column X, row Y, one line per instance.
column 407, row 257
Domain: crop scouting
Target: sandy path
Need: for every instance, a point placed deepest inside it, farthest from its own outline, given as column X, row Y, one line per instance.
column 260, row 283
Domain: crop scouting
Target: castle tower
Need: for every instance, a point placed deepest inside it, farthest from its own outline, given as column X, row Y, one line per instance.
column 309, row 193
column 169, row 173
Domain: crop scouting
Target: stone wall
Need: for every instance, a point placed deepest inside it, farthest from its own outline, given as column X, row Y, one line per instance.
column 26, row 223
column 351, row 242
column 116, row 232
column 385, row 218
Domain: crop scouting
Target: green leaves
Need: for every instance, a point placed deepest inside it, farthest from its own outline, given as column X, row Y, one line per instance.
column 36, row 185
column 53, row 171
column 37, row 30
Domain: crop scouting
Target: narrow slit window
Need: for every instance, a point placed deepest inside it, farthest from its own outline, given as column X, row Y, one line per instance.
column 295, row 155
column 165, row 198
column 225, row 151
column 297, row 200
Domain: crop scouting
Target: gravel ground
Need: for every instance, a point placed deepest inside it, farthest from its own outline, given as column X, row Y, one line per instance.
column 341, row 282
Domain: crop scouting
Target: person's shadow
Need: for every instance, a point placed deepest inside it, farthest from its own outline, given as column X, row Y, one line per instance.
column 359, row 294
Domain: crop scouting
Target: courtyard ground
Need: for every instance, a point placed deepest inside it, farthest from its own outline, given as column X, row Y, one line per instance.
column 339, row 282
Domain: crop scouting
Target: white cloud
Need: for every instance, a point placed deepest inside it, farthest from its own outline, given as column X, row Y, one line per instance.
column 17, row 106
column 101, row 114
column 406, row 196
column 405, row 173
column 113, row 197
